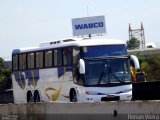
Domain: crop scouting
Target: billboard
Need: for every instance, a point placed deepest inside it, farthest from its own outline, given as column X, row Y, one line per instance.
column 88, row 25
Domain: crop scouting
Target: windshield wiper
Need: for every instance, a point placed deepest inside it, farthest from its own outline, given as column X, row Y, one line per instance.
column 100, row 78
column 105, row 74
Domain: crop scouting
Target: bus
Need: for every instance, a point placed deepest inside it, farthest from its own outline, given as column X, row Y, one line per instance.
column 73, row 70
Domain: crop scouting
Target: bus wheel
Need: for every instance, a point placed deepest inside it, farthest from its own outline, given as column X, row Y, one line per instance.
column 36, row 96
column 29, row 96
column 73, row 96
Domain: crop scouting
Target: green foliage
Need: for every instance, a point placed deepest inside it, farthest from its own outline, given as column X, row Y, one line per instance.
column 150, row 64
column 133, row 43
column 1, row 63
column 5, row 76
column 145, row 67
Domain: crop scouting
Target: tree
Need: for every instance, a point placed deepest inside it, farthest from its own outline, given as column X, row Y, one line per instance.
column 1, row 69
column 5, row 76
column 133, row 43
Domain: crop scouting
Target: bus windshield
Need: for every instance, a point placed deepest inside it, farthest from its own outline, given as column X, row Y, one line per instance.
column 107, row 71
column 103, row 51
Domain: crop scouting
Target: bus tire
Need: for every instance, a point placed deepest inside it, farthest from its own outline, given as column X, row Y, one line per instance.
column 29, row 96
column 73, row 95
column 36, row 96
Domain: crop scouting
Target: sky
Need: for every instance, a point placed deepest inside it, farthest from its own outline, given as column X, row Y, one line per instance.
column 27, row 23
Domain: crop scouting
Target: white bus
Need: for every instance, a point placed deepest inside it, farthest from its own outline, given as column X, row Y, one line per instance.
column 78, row 69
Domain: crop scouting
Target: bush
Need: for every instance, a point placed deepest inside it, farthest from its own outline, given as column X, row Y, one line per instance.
column 5, row 76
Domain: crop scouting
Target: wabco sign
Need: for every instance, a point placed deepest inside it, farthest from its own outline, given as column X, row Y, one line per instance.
column 88, row 25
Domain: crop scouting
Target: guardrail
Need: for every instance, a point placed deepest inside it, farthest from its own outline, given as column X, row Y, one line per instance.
column 120, row 110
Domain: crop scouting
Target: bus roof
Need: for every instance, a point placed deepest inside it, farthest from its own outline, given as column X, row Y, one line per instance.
column 70, row 42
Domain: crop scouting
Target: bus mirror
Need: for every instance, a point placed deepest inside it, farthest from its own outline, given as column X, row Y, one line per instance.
column 135, row 61
column 81, row 66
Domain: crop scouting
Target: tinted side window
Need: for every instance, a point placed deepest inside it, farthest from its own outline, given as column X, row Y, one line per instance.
column 67, row 56
column 59, row 57
column 30, row 60
column 22, row 61
column 55, row 57
column 15, row 62
column 48, row 58
column 39, row 59
column 76, row 55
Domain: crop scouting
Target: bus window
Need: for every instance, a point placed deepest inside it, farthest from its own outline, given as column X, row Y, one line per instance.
column 67, row 56
column 15, row 62
column 30, row 60
column 39, row 59
column 59, row 57
column 55, row 57
column 76, row 55
column 22, row 61
column 48, row 58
